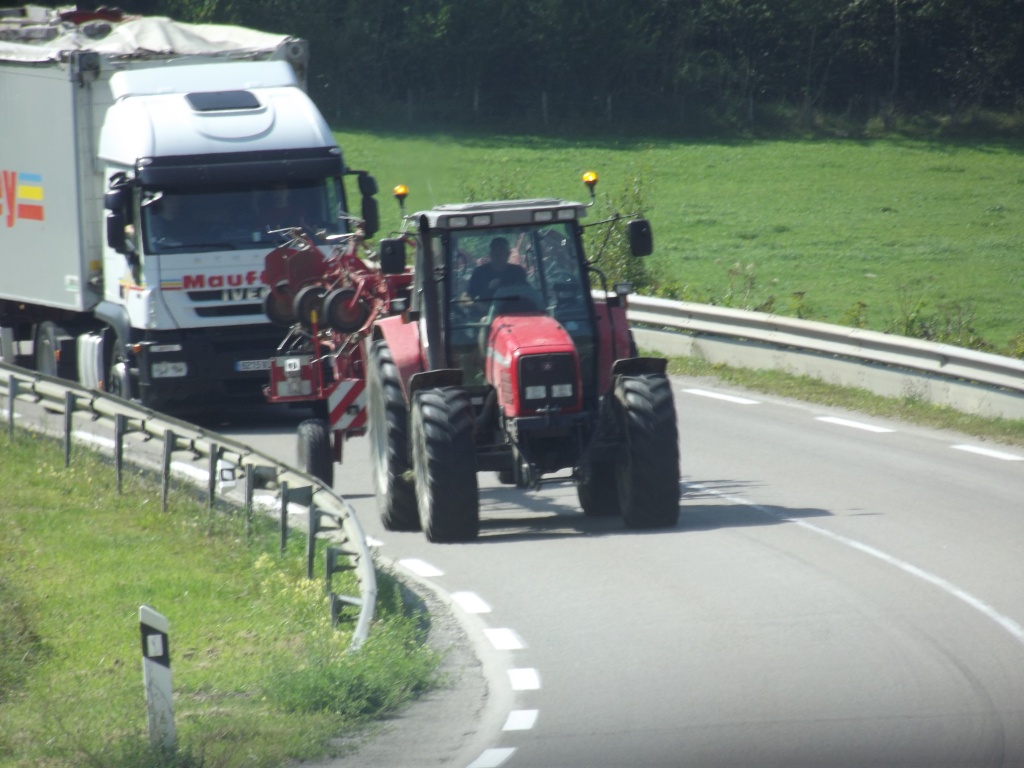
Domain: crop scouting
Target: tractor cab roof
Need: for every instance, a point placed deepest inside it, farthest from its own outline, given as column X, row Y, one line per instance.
column 503, row 213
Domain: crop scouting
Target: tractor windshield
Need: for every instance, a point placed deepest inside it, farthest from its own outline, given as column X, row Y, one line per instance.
column 510, row 270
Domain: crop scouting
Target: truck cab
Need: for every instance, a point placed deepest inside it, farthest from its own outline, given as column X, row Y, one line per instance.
column 147, row 168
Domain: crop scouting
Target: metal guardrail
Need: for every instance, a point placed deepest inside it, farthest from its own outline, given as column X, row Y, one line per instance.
column 123, row 418
column 968, row 380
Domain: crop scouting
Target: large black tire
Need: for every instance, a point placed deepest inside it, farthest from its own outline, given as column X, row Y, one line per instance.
column 389, row 441
column 48, row 340
column 314, row 449
column 119, row 379
column 648, row 474
column 445, row 465
column 599, row 492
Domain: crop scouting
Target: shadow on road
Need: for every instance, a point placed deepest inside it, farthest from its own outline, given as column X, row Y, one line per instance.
column 512, row 513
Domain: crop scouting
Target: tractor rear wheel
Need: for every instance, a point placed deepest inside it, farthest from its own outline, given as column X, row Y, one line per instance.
column 315, row 457
column 445, row 465
column 648, row 474
column 389, row 440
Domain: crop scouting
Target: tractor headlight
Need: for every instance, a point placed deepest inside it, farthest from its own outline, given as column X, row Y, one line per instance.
column 561, row 390
column 536, row 392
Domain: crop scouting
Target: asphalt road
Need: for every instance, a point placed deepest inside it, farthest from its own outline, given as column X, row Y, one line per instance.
column 839, row 591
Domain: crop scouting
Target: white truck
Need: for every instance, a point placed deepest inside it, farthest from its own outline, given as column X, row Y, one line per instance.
column 146, row 168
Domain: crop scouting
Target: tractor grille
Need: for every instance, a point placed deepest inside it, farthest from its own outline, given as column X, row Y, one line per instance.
column 548, row 382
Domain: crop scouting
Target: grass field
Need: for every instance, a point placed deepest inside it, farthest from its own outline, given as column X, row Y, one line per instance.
column 910, row 237
column 260, row 675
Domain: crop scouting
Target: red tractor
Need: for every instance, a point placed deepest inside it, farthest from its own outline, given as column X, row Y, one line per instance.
column 329, row 292
column 505, row 361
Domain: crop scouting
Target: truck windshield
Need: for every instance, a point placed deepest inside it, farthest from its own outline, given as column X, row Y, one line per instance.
column 236, row 217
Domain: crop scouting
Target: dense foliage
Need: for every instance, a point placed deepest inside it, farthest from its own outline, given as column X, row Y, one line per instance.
column 685, row 65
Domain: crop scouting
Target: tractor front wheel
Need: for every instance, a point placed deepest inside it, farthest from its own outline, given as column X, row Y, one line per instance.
column 445, row 465
column 648, row 475
column 598, row 491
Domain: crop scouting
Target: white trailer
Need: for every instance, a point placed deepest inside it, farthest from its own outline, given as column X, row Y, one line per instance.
column 144, row 167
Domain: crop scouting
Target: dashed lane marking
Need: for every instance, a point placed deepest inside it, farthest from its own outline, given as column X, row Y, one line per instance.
column 492, row 758
column 720, row 396
column 421, row 568
column 504, row 639
column 470, row 602
column 521, row 720
column 524, row 679
column 854, row 424
column 988, row 452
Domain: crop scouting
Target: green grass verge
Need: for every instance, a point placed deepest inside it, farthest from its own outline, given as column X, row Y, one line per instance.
column 260, row 676
column 920, row 238
column 811, row 390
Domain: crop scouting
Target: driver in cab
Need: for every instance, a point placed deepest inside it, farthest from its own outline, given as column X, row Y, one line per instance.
column 495, row 273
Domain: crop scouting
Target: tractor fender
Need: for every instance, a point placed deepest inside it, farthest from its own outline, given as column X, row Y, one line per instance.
column 403, row 339
column 639, row 366
column 613, row 330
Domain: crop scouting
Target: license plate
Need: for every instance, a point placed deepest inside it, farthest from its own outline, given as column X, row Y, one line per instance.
column 252, row 365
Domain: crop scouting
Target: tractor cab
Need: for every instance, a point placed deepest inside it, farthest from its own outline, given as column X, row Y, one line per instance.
column 508, row 265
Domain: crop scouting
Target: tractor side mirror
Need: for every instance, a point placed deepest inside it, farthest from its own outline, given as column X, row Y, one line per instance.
column 371, row 216
column 641, row 239
column 392, row 255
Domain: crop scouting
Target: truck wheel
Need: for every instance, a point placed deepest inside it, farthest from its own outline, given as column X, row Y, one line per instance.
column 648, row 475
column 389, row 441
column 445, row 465
column 49, row 337
column 315, row 457
column 119, row 379
column 598, row 493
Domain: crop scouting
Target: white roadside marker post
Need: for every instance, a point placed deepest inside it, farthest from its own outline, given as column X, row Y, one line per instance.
column 156, row 676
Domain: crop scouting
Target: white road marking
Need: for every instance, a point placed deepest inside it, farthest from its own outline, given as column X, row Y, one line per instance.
column 420, row 568
column 854, row 424
column 471, row 602
column 504, row 639
column 988, row 452
column 720, row 396
column 520, row 720
column 492, row 758
column 524, row 679
column 1008, row 624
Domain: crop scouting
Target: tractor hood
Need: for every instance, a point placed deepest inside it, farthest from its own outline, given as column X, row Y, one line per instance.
column 533, row 365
